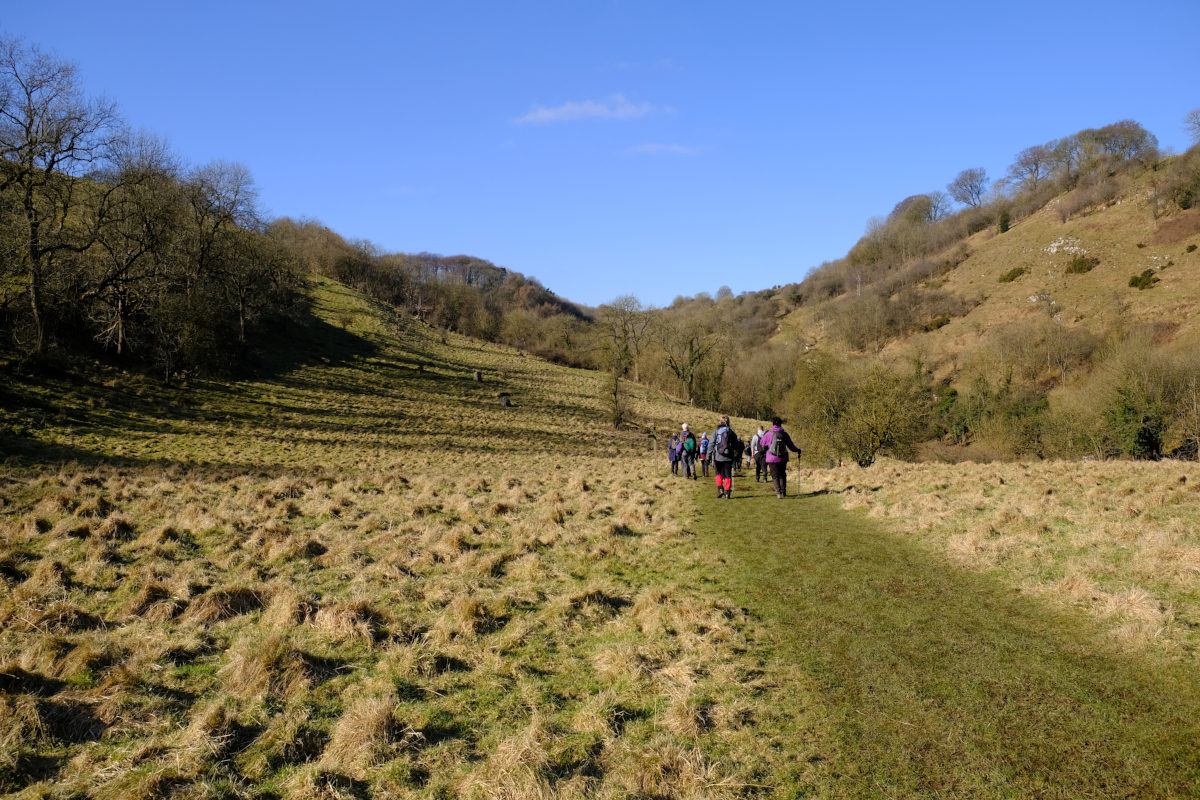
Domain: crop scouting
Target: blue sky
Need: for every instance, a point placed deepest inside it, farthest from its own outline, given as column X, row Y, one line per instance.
column 610, row 147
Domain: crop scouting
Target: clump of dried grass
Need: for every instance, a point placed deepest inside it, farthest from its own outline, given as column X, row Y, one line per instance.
column 91, row 653
column 350, row 620
column 21, row 725
column 519, row 766
column 597, row 714
column 259, row 665
column 152, row 602
column 55, row 504
column 70, row 528
column 289, row 608
column 367, row 733
column 470, row 614
column 207, row 734
column 116, row 527
column 685, row 716
column 447, row 545
column 288, row 740
column 221, row 604
column 58, row 617
column 668, row 769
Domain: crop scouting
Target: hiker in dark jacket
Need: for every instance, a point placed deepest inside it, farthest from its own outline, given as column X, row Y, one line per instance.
column 777, row 454
column 687, row 451
column 724, row 454
column 673, row 454
column 705, row 456
column 759, row 454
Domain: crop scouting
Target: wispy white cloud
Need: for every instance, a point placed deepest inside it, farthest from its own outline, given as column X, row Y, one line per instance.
column 656, row 149
column 615, row 107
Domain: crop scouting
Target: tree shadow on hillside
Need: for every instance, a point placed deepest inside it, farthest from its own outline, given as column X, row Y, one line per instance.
column 307, row 339
column 77, row 412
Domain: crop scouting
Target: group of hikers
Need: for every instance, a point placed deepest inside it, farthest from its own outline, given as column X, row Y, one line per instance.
column 767, row 450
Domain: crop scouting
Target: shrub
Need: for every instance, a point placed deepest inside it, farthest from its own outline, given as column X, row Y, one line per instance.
column 937, row 322
column 1137, row 421
column 1145, row 280
column 1183, row 179
column 1005, row 219
column 1191, row 248
column 859, row 409
column 1013, row 274
column 1081, row 263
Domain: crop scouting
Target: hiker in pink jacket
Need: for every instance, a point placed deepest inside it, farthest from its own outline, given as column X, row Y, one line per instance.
column 776, row 442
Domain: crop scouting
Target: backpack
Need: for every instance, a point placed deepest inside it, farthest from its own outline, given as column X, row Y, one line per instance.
column 728, row 446
column 689, row 443
column 777, row 448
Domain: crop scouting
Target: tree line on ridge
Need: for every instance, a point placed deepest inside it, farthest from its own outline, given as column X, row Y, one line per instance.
column 110, row 247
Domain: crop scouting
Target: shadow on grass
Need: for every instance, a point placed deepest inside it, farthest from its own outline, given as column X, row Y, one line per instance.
column 307, row 339
column 944, row 683
column 78, row 414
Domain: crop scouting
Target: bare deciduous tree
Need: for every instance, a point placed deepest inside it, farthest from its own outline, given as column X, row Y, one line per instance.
column 939, row 206
column 221, row 197
column 1191, row 124
column 136, row 240
column 50, row 136
column 969, row 186
column 1032, row 165
column 624, row 322
column 686, row 344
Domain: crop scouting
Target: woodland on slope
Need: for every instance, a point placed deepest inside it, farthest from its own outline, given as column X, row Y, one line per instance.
column 1046, row 313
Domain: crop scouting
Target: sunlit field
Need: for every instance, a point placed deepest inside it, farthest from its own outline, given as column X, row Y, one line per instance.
column 1120, row 539
column 361, row 576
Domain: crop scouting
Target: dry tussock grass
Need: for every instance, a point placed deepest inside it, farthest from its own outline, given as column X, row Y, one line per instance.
column 518, row 767
column 365, row 735
column 666, row 769
column 1120, row 539
column 483, row 577
column 362, row 600
column 222, row 604
column 350, row 620
column 260, row 667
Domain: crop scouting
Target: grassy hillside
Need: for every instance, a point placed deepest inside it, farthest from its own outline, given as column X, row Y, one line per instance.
column 361, row 576
column 1122, row 235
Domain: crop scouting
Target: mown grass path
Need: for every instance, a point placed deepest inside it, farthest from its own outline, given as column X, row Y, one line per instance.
column 936, row 682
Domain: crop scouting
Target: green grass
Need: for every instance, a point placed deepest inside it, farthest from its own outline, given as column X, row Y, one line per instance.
column 354, row 575
column 447, row 598
column 936, row 682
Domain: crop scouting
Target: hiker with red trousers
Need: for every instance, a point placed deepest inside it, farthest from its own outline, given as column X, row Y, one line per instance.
column 726, row 451
column 776, row 442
